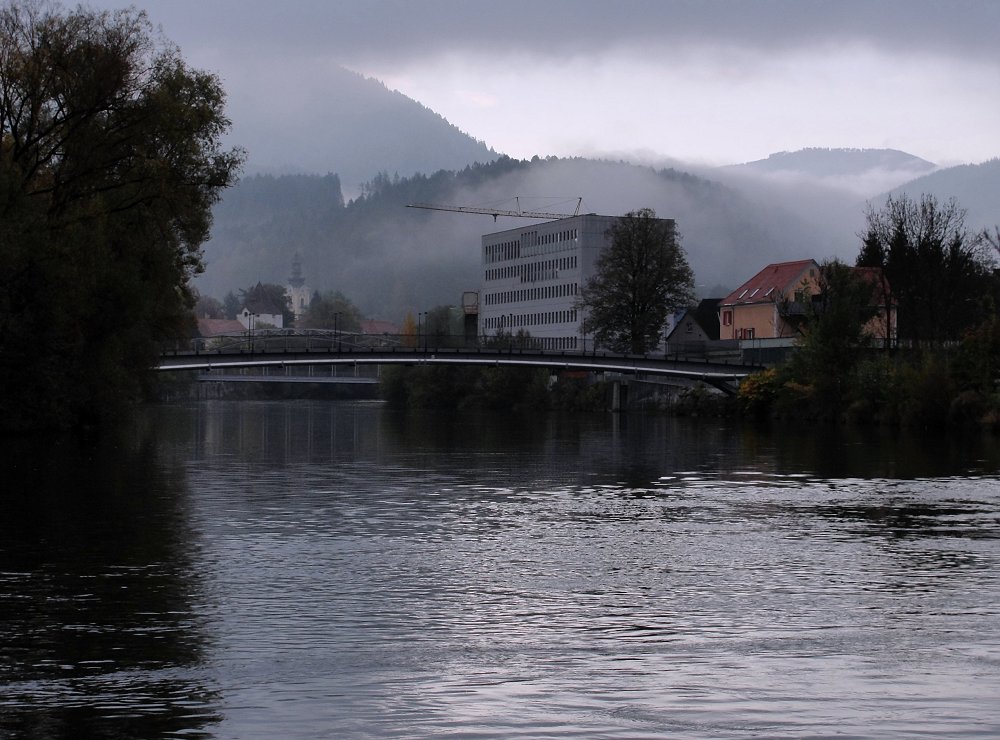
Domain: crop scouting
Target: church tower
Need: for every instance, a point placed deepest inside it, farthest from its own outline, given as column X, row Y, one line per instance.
column 296, row 288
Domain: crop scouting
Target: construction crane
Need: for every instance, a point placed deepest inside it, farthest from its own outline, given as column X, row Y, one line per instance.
column 517, row 213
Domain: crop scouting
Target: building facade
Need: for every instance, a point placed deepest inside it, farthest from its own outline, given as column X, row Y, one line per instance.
column 532, row 277
column 757, row 309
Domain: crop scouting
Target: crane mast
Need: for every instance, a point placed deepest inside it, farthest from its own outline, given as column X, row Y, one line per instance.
column 495, row 212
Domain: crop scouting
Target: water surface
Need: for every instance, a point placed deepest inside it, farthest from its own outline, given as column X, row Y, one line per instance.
column 315, row 569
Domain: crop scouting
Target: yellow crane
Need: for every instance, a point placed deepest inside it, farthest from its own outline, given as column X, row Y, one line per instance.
column 495, row 212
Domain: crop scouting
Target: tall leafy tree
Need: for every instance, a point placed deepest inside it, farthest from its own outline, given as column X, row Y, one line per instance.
column 640, row 278
column 331, row 310
column 936, row 271
column 110, row 162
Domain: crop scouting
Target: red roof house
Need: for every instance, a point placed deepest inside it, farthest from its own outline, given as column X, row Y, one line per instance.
column 756, row 309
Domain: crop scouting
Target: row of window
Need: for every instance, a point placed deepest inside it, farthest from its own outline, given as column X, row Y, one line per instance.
column 515, row 321
column 529, row 273
column 547, row 243
column 530, row 244
column 530, row 294
column 530, row 342
column 503, row 251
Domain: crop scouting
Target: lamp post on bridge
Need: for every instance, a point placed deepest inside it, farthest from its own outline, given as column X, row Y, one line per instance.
column 251, row 320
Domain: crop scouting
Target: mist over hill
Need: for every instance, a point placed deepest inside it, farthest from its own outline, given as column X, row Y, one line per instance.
column 976, row 187
column 391, row 260
column 864, row 172
column 355, row 234
column 370, row 129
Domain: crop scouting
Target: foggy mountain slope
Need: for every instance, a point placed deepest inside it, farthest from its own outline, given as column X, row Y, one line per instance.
column 976, row 187
column 368, row 129
column 864, row 172
column 391, row 260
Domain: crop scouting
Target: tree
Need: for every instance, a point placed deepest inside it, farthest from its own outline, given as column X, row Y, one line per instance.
column 442, row 328
column 268, row 298
column 935, row 270
column 834, row 331
column 640, row 279
column 206, row 307
column 231, row 305
column 110, row 162
column 409, row 331
column 331, row 311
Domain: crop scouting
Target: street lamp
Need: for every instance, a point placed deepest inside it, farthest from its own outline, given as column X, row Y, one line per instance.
column 250, row 323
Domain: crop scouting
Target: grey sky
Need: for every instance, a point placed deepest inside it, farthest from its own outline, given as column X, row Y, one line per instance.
column 714, row 82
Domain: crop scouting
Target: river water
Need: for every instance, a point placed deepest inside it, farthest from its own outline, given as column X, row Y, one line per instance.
column 328, row 569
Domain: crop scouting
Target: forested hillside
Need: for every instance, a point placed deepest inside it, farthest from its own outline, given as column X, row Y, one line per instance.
column 368, row 129
column 391, row 260
column 976, row 187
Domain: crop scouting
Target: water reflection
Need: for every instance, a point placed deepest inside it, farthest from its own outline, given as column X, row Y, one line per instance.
column 98, row 630
column 314, row 569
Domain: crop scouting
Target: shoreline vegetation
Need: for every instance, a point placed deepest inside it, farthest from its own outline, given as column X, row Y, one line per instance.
column 921, row 388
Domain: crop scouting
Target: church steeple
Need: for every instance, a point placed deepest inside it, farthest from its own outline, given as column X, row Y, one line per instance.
column 296, row 288
column 296, row 280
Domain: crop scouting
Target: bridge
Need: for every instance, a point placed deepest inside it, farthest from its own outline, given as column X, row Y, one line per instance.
column 289, row 350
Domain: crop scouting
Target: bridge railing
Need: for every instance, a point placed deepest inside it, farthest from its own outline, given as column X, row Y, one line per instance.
column 337, row 342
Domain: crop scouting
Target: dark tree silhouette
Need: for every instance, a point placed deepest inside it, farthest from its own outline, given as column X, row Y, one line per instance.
column 935, row 271
column 641, row 277
column 110, row 162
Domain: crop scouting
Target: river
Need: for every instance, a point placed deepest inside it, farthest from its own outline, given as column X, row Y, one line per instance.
column 330, row 569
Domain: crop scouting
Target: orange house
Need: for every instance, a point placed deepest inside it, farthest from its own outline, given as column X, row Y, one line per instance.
column 755, row 309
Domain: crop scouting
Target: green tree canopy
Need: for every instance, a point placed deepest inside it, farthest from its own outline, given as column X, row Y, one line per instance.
column 936, row 271
column 640, row 279
column 110, row 162
column 332, row 310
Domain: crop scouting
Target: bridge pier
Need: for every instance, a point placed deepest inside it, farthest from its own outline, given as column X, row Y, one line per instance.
column 619, row 395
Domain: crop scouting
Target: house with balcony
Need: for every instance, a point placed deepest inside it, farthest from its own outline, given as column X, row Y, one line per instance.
column 770, row 307
column 762, row 306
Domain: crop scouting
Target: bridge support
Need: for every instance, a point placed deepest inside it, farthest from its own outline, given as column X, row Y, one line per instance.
column 619, row 395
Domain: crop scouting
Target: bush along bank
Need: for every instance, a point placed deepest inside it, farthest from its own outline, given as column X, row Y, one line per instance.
column 924, row 387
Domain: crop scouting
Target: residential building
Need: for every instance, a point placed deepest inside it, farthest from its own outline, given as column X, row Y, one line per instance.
column 767, row 305
column 883, row 325
column 759, row 307
column 260, row 311
column 533, row 275
column 694, row 328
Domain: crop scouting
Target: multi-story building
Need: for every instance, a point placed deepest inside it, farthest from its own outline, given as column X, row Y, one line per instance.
column 532, row 277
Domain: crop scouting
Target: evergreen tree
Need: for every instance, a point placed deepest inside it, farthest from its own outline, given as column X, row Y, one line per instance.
column 935, row 270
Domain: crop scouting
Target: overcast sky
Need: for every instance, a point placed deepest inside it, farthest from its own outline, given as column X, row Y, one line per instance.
column 695, row 80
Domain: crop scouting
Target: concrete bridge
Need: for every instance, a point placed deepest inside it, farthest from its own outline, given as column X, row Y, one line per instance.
column 299, row 350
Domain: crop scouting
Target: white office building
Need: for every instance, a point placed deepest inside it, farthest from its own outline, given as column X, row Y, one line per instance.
column 532, row 276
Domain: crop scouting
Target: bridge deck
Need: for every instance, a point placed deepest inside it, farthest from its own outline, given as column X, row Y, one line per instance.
column 715, row 373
